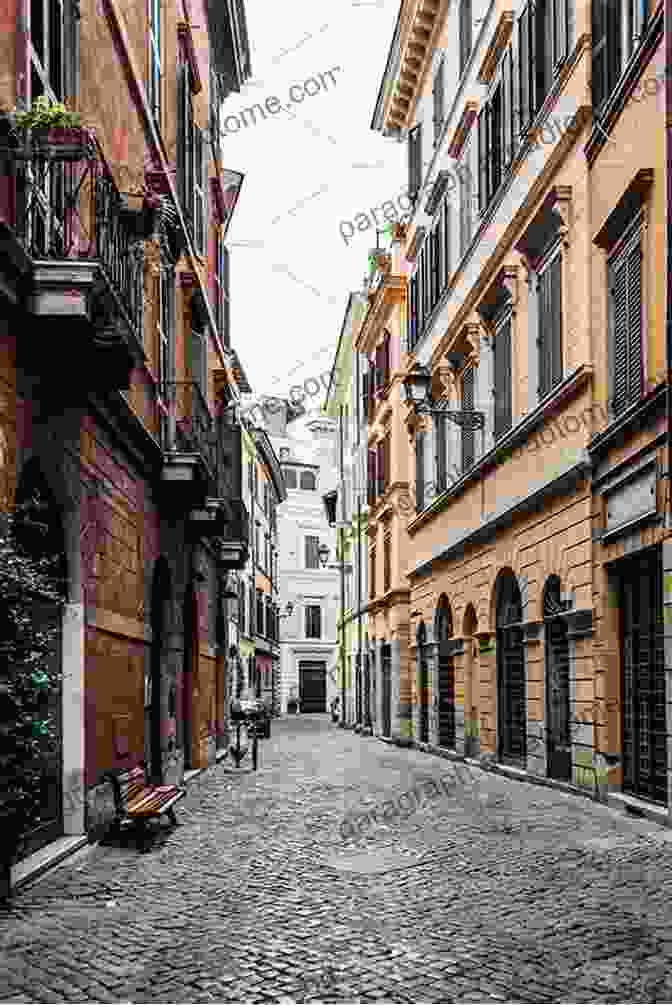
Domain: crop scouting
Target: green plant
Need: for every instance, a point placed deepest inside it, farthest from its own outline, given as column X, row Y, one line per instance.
column 29, row 681
column 45, row 114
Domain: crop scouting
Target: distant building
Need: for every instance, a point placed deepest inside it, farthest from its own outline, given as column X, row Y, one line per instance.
column 308, row 647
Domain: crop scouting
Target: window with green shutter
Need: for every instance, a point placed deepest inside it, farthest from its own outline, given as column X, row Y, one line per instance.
column 503, row 409
column 549, row 339
column 626, row 329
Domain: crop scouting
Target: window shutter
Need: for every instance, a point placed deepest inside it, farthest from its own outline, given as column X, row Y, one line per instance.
column 468, row 453
column 386, row 358
column 614, row 44
column 440, row 451
column 438, row 99
column 414, row 161
column 482, row 160
column 465, row 34
column 420, row 471
column 365, row 394
column 555, row 291
column 507, row 107
column 543, row 339
column 380, row 467
column 560, row 32
column 524, row 69
column 503, row 379
column 182, row 99
column 619, row 295
column 599, row 52
column 634, row 264
column 371, row 477
column 225, row 292
column 446, row 244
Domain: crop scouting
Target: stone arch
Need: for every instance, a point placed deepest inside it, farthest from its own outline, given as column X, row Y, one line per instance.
column 443, row 619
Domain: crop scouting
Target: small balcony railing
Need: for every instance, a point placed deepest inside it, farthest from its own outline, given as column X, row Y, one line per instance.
column 65, row 205
column 188, row 425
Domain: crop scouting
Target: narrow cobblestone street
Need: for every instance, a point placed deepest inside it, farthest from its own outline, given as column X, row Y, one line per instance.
column 497, row 891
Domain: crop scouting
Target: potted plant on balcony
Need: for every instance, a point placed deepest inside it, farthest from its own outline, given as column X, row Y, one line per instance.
column 50, row 130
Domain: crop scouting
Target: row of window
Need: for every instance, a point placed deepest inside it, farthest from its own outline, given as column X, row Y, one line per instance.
column 257, row 614
column 625, row 348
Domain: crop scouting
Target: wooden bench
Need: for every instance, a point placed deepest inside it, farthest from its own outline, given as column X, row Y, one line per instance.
column 137, row 802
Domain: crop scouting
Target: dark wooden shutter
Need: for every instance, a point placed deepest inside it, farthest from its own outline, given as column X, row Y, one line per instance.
column 635, row 360
column 419, row 471
column 438, row 100
column 468, row 451
column 555, row 354
column 386, row 357
column 465, row 34
column 560, row 32
column 183, row 98
column 380, row 467
column 371, row 477
column 414, row 161
column 507, row 106
column 225, row 292
column 365, row 394
column 503, row 379
column 446, row 244
column 440, row 451
column 524, row 97
column 481, row 129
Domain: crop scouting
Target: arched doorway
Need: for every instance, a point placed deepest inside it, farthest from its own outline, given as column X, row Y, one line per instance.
column 386, row 686
column 471, row 722
column 38, row 533
column 190, row 678
column 511, row 707
column 158, row 662
column 558, row 734
column 423, row 683
column 446, row 681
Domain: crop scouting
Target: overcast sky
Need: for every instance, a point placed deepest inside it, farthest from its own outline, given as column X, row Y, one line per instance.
column 305, row 173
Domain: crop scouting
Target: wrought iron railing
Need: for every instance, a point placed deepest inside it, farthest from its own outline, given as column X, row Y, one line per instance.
column 66, row 205
column 189, row 427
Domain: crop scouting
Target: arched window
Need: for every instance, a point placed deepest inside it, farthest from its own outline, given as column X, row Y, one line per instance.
column 308, row 481
column 511, row 711
column 446, row 677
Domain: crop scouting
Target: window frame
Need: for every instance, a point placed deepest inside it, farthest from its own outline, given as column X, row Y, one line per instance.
column 634, row 235
column 155, row 60
column 315, row 610
column 311, row 561
column 554, row 255
column 504, row 318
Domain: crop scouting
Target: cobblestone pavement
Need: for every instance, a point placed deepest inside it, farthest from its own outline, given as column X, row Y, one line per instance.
column 498, row 891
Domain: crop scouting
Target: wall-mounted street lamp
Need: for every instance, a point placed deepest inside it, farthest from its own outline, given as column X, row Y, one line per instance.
column 323, row 554
column 289, row 610
column 417, row 390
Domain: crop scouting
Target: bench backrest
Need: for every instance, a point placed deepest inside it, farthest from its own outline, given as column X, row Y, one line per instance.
column 131, row 783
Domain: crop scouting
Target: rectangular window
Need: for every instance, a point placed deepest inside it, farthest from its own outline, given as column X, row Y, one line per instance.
column 200, row 184
column 625, row 323
column 166, row 283
column 549, row 339
column 371, row 477
column 438, row 100
column 290, row 477
column 503, row 412
column 250, row 603
column 414, row 161
column 412, row 328
column 155, row 62
column 48, row 33
column 387, row 563
column 372, row 573
column 185, row 144
column 313, row 621
column 312, row 557
column 465, row 29
column 441, row 452
column 419, row 471
column 466, row 198
column 260, row 613
column 468, row 432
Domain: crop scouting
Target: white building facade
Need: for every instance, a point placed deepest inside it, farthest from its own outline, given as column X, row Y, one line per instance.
column 308, row 636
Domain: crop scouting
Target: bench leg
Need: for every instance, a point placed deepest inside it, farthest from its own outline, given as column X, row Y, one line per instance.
column 142, row 835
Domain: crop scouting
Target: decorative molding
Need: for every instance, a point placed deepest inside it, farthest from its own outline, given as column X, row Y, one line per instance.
column 462, row 128
column 498, row 43
column 625, row 210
